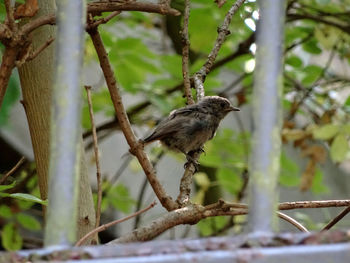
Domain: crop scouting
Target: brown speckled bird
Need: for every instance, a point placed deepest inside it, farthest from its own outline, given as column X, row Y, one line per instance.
column 188, row 128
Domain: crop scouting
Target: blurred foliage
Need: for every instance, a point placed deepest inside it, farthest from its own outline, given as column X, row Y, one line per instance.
column 16, row 210
column 316, row 99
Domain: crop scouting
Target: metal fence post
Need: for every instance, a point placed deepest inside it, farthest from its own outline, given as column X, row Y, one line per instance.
column 265, row 159
column 65, row 125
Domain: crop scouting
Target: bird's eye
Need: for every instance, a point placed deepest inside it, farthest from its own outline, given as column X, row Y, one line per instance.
column 222, row 104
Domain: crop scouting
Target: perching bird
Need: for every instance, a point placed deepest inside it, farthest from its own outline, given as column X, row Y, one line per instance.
column 188, row 128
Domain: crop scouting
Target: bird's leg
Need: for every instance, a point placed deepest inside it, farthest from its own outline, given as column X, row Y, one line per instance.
column 190, row 159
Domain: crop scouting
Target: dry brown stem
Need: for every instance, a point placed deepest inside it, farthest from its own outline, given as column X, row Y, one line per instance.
column 97, row 157
column 185, row 55
column 136, row 147
column 105, row 226
column 14, row 169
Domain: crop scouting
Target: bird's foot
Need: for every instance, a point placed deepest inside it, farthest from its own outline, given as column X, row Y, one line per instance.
column 191, row 160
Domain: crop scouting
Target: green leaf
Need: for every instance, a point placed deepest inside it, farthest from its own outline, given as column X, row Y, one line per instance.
column 312, row 73
column 7, row 186
column 325, row 132
column 229, row 180
column 120, row 198
column 345, row 129
column 318, row 186
column 29, row 222
column 29, row 198
column 10, row 237
column 5, row 211
column 339, row 148
column 11, row 97
column 312, row 47
column 294, row 61
column 289, row 175
column 209, row 225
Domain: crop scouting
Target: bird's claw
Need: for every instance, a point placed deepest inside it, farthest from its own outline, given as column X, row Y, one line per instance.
column 191, row 160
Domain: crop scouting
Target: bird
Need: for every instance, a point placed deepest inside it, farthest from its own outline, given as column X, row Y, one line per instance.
column 188, row 128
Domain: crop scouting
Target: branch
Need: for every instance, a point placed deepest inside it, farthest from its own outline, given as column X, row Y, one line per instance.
column 337, row 219
column 14, row 169
column 294, row 17
column 40, row 49
column 193, row 213
column 105, row 20
column 105, row 226
column 292, row 221
column 10, row 21
column 7, row 64
column 136, row 147
column 99, row 7
column 185, row 55
column 222, row 34
column 97, row 157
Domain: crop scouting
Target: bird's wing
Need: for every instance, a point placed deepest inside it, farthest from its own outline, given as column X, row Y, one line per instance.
column 176, row 121
column 190, row 109
column 166, row 128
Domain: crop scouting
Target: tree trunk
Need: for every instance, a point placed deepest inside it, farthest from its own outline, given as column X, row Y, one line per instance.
column 36, row 78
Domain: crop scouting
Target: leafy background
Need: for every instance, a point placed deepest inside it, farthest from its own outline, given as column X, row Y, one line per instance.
column 143, row 49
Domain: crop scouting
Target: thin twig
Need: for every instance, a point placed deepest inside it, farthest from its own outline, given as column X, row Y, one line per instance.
column 139, row 201
column 14, row 169
column 9, row 14
column 313, row 204
column 136, row 147
column 143, row 190
column 198, row 84
column 199, row 78
column 105, row 226
column 40, row 49
column 105, row 20
column 336, row 219
column 185, row 55
column 292, row 221
column 222, row 34
column 97, row 157
column 148, row 7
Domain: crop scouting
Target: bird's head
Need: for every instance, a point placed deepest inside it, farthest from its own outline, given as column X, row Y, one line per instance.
column 218, row 106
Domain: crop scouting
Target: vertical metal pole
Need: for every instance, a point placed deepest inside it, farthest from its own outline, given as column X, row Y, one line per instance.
column 66, row 125
column 265, row 159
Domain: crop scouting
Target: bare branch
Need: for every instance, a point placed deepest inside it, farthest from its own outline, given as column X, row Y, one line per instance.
column 7, row 65
column 313, row 204
column 38, row 22
column 292, row 221
column 40, row 49
column 97, row 157
column 99, row 7
column 104, row 20
column 136, row 147
column 185, row 55
column 198, row 84
column 193, row 213
column 105, row 226
column 14, row 169
column 222, row 33
column 337, row 219
column 9, row 14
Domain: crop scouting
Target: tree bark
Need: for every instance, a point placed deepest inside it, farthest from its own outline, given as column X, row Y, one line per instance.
column 36, row 78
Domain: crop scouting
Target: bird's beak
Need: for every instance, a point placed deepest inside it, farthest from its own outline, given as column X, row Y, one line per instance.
column 231, row 108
